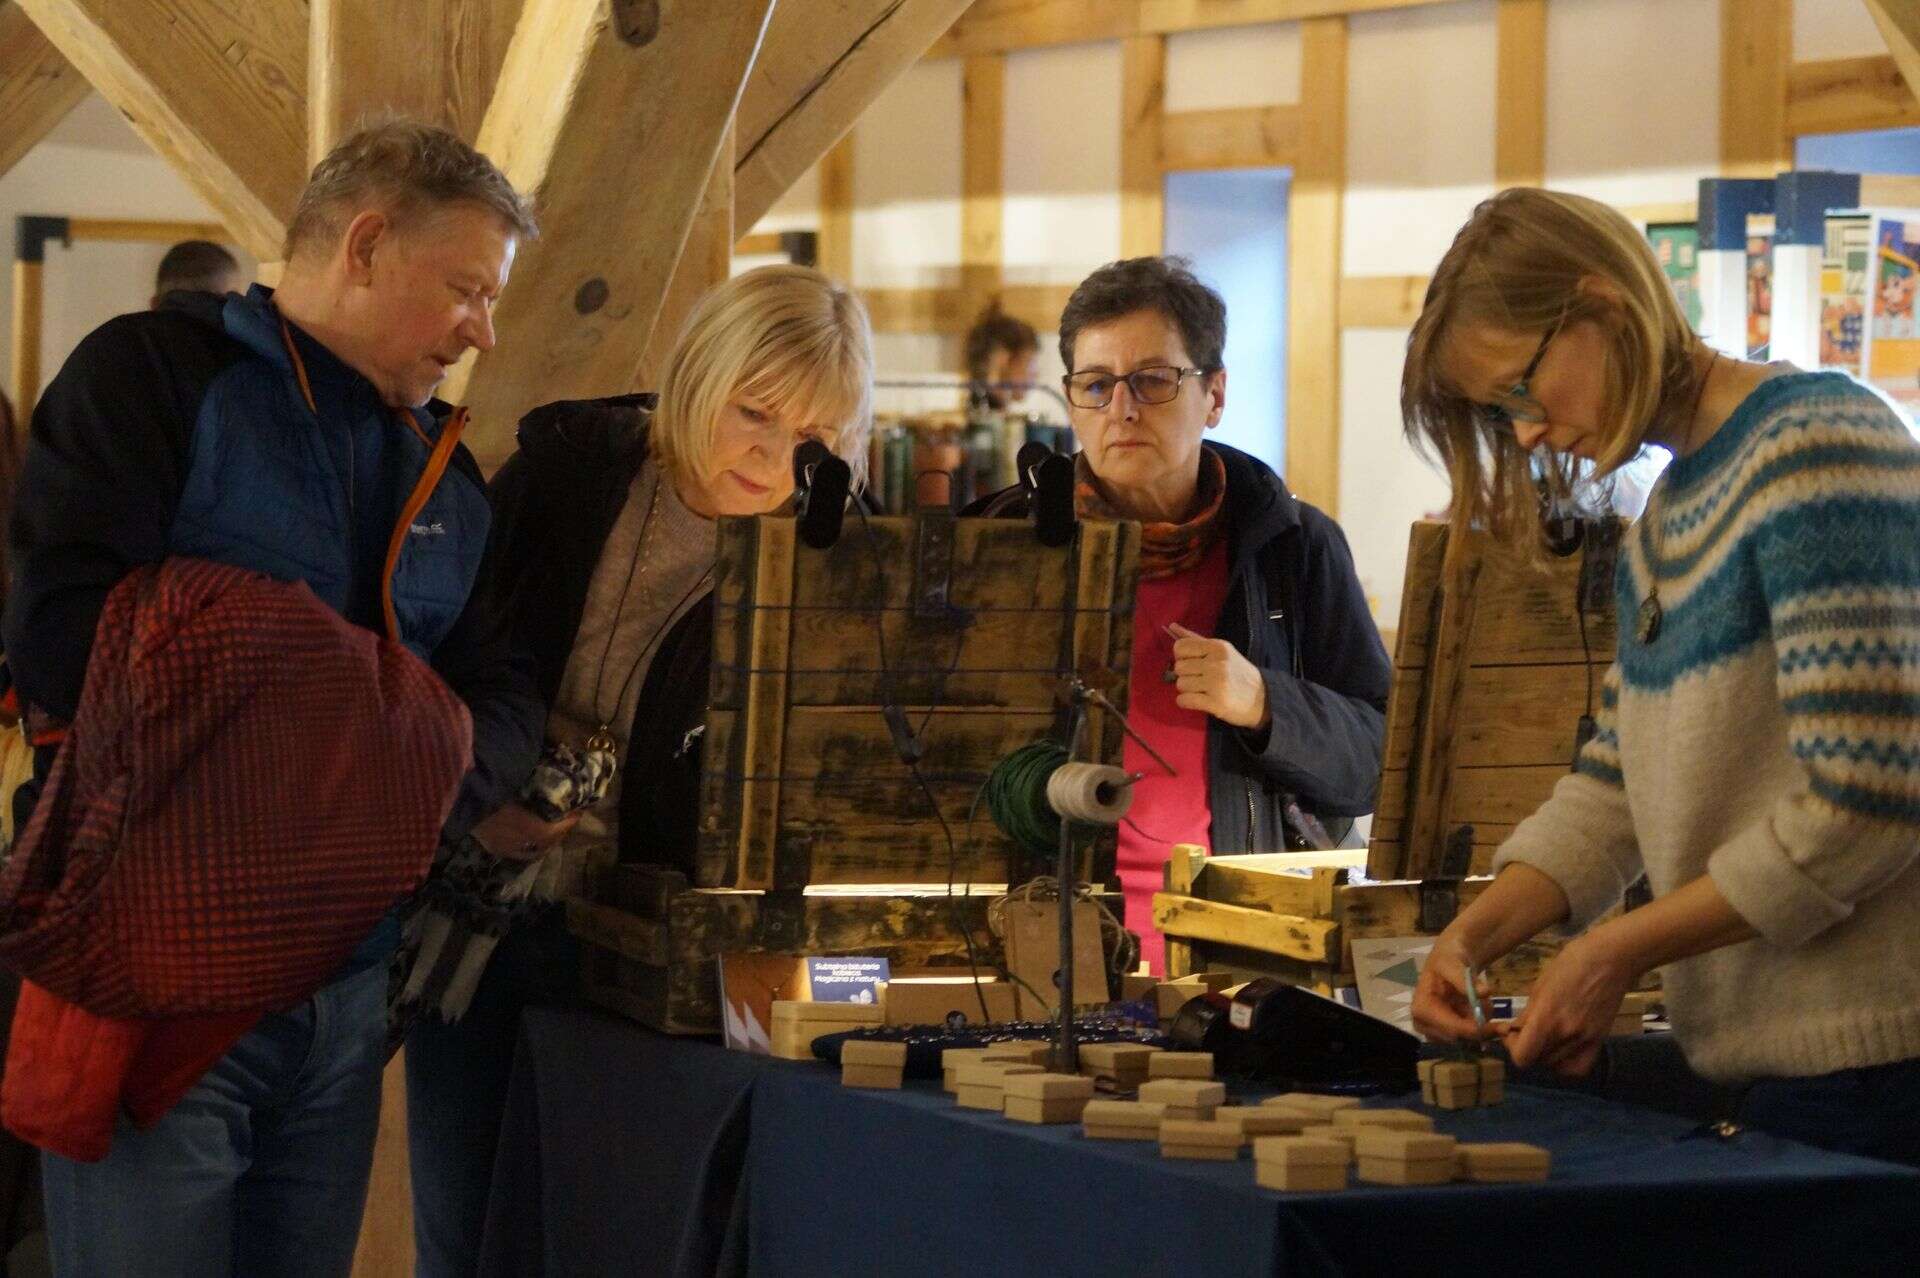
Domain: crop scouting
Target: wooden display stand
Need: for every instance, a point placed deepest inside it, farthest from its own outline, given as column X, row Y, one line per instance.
column 814, row 837
column 1491, row 671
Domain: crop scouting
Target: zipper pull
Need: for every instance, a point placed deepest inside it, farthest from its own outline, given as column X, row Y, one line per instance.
column 686, row 743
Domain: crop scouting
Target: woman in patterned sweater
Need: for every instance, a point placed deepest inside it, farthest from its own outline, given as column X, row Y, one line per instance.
column 1758, row 748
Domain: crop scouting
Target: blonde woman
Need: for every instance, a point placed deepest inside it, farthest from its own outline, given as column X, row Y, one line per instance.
column 1756, row 753
column 603, row 555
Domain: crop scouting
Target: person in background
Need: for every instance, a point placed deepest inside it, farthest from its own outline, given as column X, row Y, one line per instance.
column 605, row 545
column 285, row 432
column 196, row 266
column 1002, row 359
column 1257, row 669
column 1755, row 747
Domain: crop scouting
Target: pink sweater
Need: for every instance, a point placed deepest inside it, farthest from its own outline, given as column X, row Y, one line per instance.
column 1166, row 810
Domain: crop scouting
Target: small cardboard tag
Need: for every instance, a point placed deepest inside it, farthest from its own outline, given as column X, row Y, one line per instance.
column 1033, row 955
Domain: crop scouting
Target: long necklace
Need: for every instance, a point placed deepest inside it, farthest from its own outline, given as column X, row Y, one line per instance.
column 1647, row 621
column 603, row 738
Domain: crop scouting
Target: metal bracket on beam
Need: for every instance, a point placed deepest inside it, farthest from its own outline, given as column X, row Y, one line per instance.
column 31, row 231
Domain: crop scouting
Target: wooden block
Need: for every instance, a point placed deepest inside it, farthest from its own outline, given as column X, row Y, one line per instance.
column 1290, row 1178
column 909, row 1002
column 1425, row 1071
column 1188, row 1132
column 980, row 1097
column 1124, row 1063
column 1341, row 1136
column 1033, row 1053
column 1262, row 1120
column 1136, row 987
column 1033, row 1109
column 952, row 1058
column 785, row 1009
column 1049, row 1087
column 1206, row 1154
column 1180, row 1065
column 881, row 1076
column 1217, row 980
column 1399, row 1157
column 1502, row 1162
column 1391, row 1119
column 990, row 1073
column 1122, row 1120
column 1170, row 996
column 1192, row 1113
column 1314, row 1103
column 1302, row 1151
column 1187, row 1092
column 889, row 1055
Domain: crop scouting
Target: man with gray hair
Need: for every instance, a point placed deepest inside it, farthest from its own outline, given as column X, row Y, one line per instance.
column 293, row 433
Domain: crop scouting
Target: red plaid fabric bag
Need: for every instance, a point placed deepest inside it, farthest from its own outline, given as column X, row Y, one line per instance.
column 250, row 783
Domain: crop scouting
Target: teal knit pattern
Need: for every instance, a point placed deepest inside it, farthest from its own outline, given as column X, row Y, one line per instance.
column 1768, row 736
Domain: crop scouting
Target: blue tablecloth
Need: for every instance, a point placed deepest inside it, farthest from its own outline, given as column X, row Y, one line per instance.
column 626, row 1152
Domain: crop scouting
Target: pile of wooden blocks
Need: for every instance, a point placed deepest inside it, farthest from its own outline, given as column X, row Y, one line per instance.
column 1126, row 1065
column 1463, row 1084
column 1184, row 1099
column 1122, row 1120
column 1046, row 1098
column 797, row 1023
column 982, row 1084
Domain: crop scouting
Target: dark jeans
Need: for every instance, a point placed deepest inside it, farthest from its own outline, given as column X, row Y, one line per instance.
column 457, row 1091
column 1874, row 1112
column 261, row 1169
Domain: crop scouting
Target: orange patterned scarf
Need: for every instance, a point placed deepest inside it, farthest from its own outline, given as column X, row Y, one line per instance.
column 1165, row 548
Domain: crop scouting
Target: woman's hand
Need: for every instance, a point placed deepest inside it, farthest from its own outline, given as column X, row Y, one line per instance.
column 1213, row 676
column 1571, row 1009
column 514, row 833
column 1441, row 1013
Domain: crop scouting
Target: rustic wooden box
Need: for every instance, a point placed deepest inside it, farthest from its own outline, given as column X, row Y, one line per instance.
column 1495, row 662
column 814, row 836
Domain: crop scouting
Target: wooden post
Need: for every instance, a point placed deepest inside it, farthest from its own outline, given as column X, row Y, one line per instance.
column 1756, row 50
column 1183, row 866
column 1520, row 138
column 1143, row 99
column 836, row 211
column 1899, row 23
column 28, row 304
column 983, row 116
column 1313, row 267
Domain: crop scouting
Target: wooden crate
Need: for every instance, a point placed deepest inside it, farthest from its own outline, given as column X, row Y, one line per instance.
column 1493, row 662
column 981, row 628
column 1283, row 915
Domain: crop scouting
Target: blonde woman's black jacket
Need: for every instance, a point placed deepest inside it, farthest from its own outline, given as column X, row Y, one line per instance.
column 1296, row 610
column 555, row 502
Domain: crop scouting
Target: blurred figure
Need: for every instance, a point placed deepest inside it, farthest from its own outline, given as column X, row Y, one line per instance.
column 197, row 266
column 1003, row 354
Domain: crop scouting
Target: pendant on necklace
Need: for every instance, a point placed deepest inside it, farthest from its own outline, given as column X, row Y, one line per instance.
column 602, row 740
column 1646, row 626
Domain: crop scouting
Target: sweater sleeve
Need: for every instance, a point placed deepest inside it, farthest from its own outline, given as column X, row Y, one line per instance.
column 1329, row 723
column 1836, row 540
column 1582, row 837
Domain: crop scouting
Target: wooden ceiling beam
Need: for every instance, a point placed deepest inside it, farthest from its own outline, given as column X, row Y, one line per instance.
column 1001, row 26
column 217, row 87
column 1899, row 23
column 440, row 65
column 38, row 87
column 610, row 114
column 1847, row 95
column 825, row 62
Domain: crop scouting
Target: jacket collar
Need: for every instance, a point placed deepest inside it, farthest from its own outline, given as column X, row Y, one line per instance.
column 252, row 319
column 600, row 434
column 1259, row 508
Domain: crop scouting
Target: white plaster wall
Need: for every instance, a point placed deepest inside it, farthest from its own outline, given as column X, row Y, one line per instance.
column 1233, row 67
column 1633, row 97
column 1384, row 484
column 797, row 209
column 1834, row 29
column 1061, row 157
column 91, row 165
column 906, row 182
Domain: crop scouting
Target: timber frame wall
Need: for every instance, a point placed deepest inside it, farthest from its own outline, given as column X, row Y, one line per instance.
column 1766, row 100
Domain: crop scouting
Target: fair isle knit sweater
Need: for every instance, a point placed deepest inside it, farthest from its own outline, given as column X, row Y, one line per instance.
column 1769, row 735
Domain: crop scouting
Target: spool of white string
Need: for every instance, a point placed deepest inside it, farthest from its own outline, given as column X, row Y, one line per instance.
column 1090, row 793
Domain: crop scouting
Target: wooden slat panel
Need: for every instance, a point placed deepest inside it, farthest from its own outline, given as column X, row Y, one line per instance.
column 1232, row 138
column 764, row 744
column 217, row 87
column 1530, row 617
column 1143, row 95
column 38, row 87
column 1520, row 94
column 1847, row 95
column 824, row 63
column 1314, row 224
column 1756, row 42
column 1381, row 301
column 1245, row 882
column 440, row 65
column 614, row 132
column 1431, row 765
column 1306, row 939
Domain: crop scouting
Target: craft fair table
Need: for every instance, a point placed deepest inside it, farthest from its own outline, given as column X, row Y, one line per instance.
column 627, row 1152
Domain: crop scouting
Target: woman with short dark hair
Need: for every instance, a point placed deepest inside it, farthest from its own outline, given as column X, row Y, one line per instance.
column 1257, row 669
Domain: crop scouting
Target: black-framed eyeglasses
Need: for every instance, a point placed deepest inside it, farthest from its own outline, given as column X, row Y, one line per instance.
column 1516, row 403
column 1157, row 384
